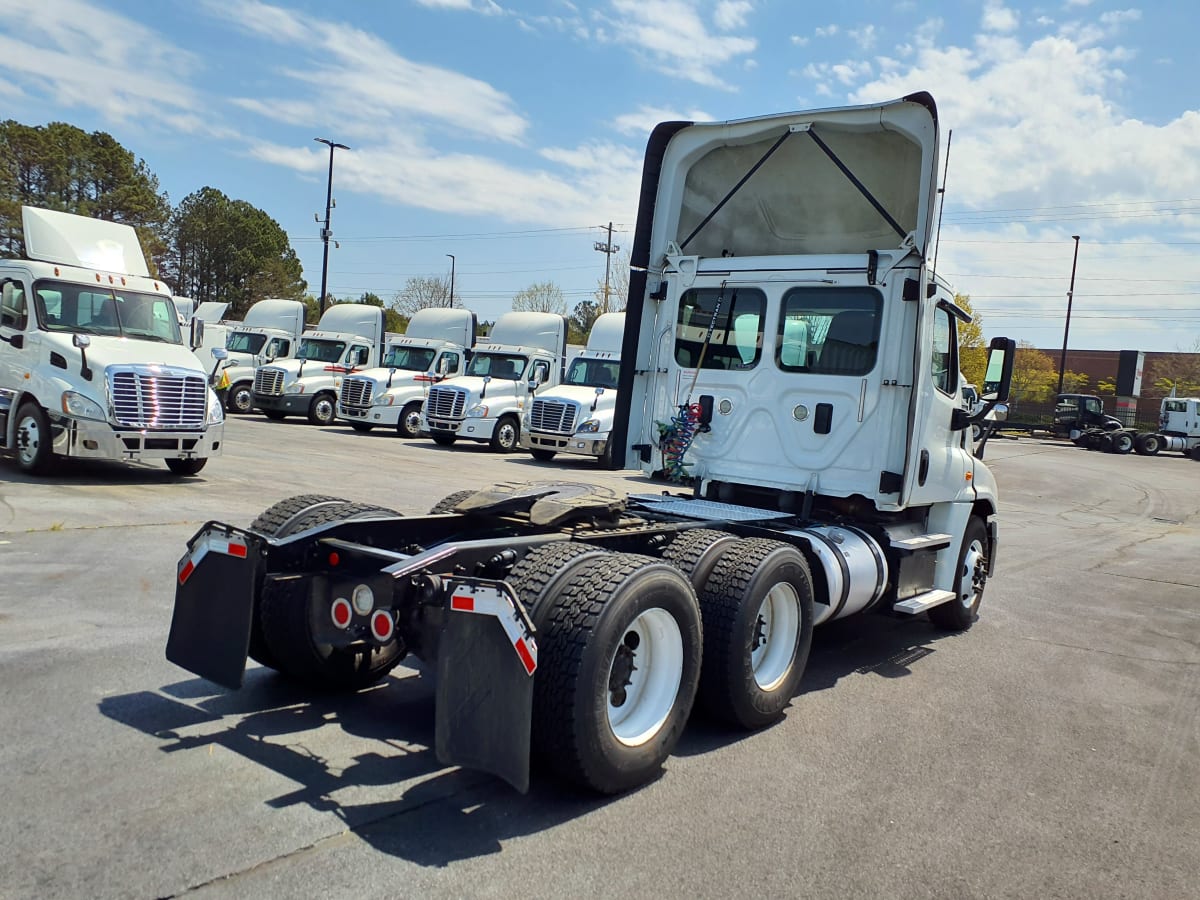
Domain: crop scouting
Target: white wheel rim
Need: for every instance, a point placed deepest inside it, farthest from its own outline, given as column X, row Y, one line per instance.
column 242, row 400
column 29, row 440
column 412, row 422
column 653, row 644
column 508, row 435
column 324, row 410
column 777, row 626
column 973, row 575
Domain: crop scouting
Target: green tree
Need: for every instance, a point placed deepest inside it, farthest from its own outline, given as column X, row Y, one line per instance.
column 61, row 167
column 1034, row 375
column 1179, row 371
column 230, row 250
column 422, row 292
column 972, row 348
column 541, row 296
column 582, row 319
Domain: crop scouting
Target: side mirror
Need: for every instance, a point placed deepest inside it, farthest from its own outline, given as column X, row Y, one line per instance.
column 443, row 366
column 82, row 341
column 998, row 380
column 220, row 353
column 534, row 383
column 197, row 336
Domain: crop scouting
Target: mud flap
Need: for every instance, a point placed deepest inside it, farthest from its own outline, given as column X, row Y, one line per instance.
column 486, row 659
column 214, row 606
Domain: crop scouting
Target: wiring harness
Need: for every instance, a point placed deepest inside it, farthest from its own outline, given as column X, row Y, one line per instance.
column 674, row 439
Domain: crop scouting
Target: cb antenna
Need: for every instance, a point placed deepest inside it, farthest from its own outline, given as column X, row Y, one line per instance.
column 937, row 242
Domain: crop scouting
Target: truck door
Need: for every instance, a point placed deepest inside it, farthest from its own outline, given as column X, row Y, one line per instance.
column 16, row 355
column 938, row 464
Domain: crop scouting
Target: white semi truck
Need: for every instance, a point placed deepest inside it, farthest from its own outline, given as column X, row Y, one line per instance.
column 524, row 355
column 1178, row 431
column 435, row 346
column 269, row 331
column 577, row 415
column 93, row 363
column 348, row 338
column 789, row 363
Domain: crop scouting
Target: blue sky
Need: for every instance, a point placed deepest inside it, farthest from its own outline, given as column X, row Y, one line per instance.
column 506, row 132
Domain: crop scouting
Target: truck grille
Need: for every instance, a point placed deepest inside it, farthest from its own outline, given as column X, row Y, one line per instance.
column 553, row 417
column 445, row 403
column 143, row 399
column 268, row 382
column 356, row 392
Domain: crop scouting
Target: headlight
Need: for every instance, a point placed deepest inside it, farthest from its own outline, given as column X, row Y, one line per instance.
column 295, row 387
column 591, row 426
column 81, row 407
column 216, row 414
column 384, row 400
column 477, row 412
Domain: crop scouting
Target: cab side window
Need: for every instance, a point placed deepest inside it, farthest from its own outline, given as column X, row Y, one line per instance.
column 541, row 371
column 13, row 311
column 359, row 356
column 278, row 347
column 944, row 359
column 452, row 361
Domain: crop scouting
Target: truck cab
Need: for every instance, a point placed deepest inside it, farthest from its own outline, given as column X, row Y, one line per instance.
column 93, row 361
column 576, row 416
column 348, row 338
column 524, row 355
column 269, row 331
column 435, row 346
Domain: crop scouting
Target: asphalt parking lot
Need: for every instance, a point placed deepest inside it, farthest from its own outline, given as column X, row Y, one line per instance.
column 1052, row 751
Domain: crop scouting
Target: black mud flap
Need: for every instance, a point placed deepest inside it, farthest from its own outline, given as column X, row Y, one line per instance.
column 486, row 659
column 214, row 605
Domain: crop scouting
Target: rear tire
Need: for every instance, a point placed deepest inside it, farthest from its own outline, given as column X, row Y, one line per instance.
column 758, row 620
column 960, row 613
column 543, row 455
column 185, row 467
column 507, row 434
column 322, row 409
column 1122, row 442
column 695, row 552
column 409, row 423
column 443, row 438
column 1148, row 444
column 620, row 662
column 544, row 569
column 447, row 504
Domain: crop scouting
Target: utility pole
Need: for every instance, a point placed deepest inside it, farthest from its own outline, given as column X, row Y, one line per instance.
column 451, row 255
column 608, row 248
column 1062, row 362
column 326, row 234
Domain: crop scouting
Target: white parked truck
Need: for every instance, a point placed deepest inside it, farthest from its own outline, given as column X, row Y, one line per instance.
column 789, row 360
column 524, row 355
column 1178, row 431
column 269, row 331
column 577, row 415
column 93, row 362
column 348, row 338
column 435, row 346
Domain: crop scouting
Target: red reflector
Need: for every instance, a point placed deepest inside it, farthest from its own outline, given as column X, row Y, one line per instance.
column 381, row 626
column 463, row 604
column 341, row 612
column 526, row 656
column 186, row 572
column 237, row 550
column 334, row 559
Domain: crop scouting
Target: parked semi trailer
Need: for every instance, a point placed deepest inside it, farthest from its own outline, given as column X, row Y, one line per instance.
column 788, row 366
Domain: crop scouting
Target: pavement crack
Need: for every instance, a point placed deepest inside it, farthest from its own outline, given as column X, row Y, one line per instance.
column 1134, row 656
column 1151, row 580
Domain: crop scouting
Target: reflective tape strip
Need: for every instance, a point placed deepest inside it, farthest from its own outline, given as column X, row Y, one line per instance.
column 215, row 544
column 489, row 601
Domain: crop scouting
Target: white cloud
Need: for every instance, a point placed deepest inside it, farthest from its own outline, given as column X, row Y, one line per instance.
column 998, row 17
column 84, row 56
column 1118, row 17
column 361, row 81
column 674, row 39
column 732, row 14
column 799, row 41
column 865, row 37
column 826, row 31
column 486, row 7
column 641, row 121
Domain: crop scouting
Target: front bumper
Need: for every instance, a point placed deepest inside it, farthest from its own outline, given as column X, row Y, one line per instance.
column 579, row 444
column 295, row 404
column 471, row 429
column 372, row 415
column 89, row 439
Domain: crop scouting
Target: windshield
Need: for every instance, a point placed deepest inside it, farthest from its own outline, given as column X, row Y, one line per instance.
column 594, row 373
column 507, row 366
column 91, row 309
column 414, row 359
column 245, row 342
column 321, row 350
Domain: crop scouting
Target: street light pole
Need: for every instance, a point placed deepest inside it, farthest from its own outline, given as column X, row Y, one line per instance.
column 326, row 234
column 1062, row 362
column 451, row 255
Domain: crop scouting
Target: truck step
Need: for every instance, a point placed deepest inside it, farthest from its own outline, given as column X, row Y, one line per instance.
column 922, row 542
column 922, row 602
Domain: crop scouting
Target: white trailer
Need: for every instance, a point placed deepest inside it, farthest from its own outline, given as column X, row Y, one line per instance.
column 789, row 365
column 348, row 338
column 524, row 355
column 93, row 363
column 576, row 416
column 434, row 347
column 269, row 331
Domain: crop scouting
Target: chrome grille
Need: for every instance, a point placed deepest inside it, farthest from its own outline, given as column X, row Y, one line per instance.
column 143, row 399
column 445, row 403
column 553, row 416
column 356, row 392
column 268, row 382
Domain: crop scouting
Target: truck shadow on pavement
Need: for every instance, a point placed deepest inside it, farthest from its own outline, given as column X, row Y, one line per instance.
column 95, row 472
column 424, row 812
